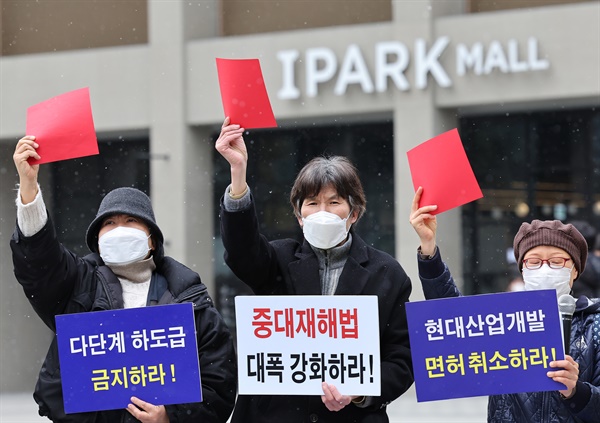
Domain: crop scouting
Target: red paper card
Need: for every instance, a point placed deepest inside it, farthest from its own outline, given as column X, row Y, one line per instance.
column 63, row 127
column 244, row 95
column 440, row 165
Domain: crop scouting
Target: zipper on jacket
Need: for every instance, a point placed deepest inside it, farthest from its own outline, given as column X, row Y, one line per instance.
column 104, row 283
column 546, row 401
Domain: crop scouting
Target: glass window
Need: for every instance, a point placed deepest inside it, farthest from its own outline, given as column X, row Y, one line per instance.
column 543, row 165
column 276, row 157
column 258, row 16
column 80, row 184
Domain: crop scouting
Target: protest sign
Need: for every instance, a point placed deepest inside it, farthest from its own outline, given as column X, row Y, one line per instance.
column 485, row 344
column 244, row 94
column 440, row 165
column 106, row 357
column 289, row 345
column 63, row 127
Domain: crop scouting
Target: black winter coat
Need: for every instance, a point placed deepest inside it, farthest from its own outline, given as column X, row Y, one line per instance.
column 56, row 281
column 287, row 267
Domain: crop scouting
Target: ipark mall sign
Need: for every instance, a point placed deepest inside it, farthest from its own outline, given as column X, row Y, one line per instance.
column 393, row 58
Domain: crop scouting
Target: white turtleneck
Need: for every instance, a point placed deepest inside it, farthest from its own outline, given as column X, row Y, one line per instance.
column 135, row 281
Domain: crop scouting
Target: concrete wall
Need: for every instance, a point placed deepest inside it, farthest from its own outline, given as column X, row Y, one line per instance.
column 49, row 26
column 25, row 339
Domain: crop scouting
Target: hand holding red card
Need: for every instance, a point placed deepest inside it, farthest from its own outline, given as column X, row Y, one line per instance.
column 244, row 95
column 440, row 165
column 63, row 127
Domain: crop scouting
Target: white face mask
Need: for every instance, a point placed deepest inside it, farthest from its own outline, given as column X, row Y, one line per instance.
column 324, row 230
column 123, row 245
column 547, row 278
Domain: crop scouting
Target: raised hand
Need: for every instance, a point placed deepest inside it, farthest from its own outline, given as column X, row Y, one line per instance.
column 424, row 223
column 231, row 145
column 28, row 174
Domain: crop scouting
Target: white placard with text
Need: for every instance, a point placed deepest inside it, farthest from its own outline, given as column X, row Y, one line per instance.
column 289, row 345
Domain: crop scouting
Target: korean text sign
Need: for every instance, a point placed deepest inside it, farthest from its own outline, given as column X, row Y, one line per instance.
column 485, row 344
column 289, row 345
column 107, row 357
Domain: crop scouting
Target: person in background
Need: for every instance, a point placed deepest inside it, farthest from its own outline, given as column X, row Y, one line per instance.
column 515, row 279
column 551, row 255
column 589, row 281
column 516, row 282
column 127, row 268
column 328, row 199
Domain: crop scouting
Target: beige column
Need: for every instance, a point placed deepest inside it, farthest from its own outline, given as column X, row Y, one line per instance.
column 181, row 165
column 416, row 119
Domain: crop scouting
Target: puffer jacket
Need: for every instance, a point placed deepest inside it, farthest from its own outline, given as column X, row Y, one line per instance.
column 539, row 407
column 56, row 281
column 549, row 407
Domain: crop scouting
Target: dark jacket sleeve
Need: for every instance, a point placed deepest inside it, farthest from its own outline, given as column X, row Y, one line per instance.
column 585, row 404
column 218, row 371
column 436, row 279
column 396, row 362
column 216, row 354
column 248, row 253
column 50, row 274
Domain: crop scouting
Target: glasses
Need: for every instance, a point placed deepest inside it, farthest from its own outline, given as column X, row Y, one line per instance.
column 553, row 263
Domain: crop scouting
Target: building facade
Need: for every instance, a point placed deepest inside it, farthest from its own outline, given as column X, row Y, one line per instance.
column 369, row 80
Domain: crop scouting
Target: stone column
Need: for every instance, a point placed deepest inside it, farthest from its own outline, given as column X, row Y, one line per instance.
column 181, row 164
column 417, row 119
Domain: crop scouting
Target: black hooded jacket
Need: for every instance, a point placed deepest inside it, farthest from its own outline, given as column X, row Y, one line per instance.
column 56, row 281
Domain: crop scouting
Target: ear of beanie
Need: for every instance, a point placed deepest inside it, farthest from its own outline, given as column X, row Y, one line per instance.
column 126, row 200
column 553, row 233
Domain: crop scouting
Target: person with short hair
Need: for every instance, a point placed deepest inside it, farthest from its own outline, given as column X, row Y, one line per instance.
column 332, row 259
column 127, row 268
column 550, row 255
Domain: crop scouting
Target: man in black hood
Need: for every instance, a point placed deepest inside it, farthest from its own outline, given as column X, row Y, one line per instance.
column 127, row 268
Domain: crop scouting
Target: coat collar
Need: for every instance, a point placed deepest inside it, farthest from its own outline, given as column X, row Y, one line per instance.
column 304, row 271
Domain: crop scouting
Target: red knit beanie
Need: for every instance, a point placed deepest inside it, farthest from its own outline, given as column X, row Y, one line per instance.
column 553, row 233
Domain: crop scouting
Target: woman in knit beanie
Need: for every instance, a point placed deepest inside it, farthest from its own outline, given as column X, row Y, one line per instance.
column 551, row 255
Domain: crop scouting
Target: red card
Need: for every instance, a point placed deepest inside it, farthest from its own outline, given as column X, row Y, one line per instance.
column 440, row 165
column 244, row 95
column 63, row 127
